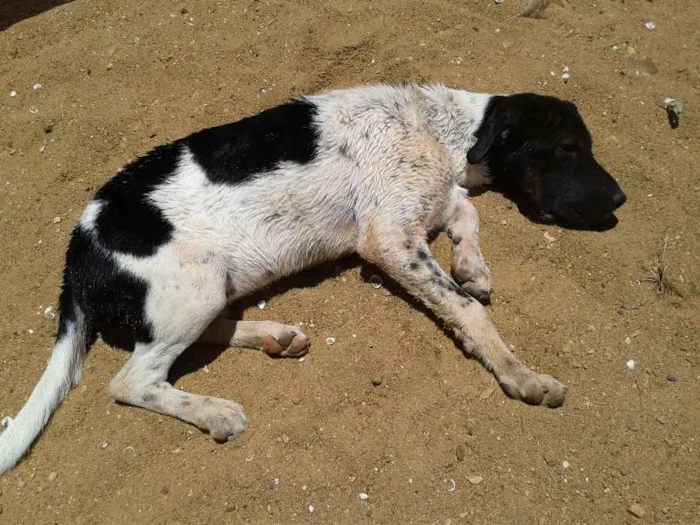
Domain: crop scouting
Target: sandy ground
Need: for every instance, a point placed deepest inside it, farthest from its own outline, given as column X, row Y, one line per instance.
column 118, row 78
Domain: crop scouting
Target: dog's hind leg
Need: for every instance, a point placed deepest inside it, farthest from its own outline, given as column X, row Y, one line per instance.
column 186, row 294
column 272, row 338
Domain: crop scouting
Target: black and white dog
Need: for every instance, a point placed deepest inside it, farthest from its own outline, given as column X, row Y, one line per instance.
column 179, row 234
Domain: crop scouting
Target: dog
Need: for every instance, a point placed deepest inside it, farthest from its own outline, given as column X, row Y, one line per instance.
column 194, row 225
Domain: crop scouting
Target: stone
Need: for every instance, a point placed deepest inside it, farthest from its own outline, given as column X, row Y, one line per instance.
column 459, row 452
column 637, row 510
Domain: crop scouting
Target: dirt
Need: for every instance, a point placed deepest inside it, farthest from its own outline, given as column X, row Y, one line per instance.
column 393, row 409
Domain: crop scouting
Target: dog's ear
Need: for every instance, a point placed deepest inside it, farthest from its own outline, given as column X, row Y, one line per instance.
column 491, row 127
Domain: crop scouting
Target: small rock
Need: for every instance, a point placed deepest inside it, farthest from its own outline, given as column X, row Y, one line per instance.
column 57, row 220
column 623, row 472
column 48, row 127
column 42, row 148
column 376, row 281
column 671, row 378
column 311, row 509
column 105, row 444
column 330, row 341
column 663, row 420
column 565, row 464
column 110, row 66
column 628, row 341
column 262, row 305
column 364, row 496
column 13, row 93
column 53, row 476
column 475, row 480
column 36, row 86
column 637, row 510
column 566, row 75
column 459, row 452
column 631, row 364
column 296, row 400
column 164, row 490
column 548, row 237
column 631, row 50
column 650, row 25
column 376, row 381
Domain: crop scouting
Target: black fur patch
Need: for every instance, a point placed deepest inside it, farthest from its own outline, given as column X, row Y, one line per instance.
column 112, row 301
column 128, row 222
column 233, row 153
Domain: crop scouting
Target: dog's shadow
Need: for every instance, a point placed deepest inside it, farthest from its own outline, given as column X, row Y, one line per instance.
column 200, row 355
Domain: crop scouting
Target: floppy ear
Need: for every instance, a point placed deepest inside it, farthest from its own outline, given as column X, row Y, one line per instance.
column 492, row 126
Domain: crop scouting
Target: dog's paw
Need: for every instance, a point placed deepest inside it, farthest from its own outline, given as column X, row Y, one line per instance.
column 534, row 389
column 223, row 419
column 289, row 341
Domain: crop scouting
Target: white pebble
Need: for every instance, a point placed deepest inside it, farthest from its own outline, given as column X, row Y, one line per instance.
column 628, row 341
column 549, row 237
column 132, row 449
column 33, row 110
column 31, row 332
column 105, row 444
column 13, row 94
column 565, row 464
column 36, row 86
column 565, row 75
column 631, row 364
column 6, row 421
column 42, row 148
column 48, row 313
column 276, row 481
column 650, row 25
column 53, row 476
column 453, row 486
column 262, row 305
column 56, row 220
column 498, row 1
column 376, row 281
column 330, row 341
column 364, row 496
column 311, row 509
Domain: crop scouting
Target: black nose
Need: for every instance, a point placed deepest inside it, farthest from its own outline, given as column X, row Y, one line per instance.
column 619, row 198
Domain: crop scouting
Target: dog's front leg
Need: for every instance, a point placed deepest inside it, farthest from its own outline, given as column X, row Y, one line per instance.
column 468, row 266
column 407, row 259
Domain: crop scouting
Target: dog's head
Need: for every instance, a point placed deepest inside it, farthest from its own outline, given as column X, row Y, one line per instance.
column 539, row 149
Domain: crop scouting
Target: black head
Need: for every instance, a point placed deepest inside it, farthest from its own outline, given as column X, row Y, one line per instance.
column 539, row 150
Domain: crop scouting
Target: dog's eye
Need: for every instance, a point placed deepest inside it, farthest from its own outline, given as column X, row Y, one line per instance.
column 567, row 146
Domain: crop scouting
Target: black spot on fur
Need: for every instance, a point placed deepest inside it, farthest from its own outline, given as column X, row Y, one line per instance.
column 271, row 218
column 148, row 397
column 111, row 300
column 127, row 221
column 408, row 245
column 423, row 255
column 456, row 240
column 414, row 266
column 236, row 152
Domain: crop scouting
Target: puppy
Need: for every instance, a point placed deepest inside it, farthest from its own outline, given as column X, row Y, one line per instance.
column 194, row 225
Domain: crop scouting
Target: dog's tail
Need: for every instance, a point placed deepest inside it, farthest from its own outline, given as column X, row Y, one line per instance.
column 62, row 372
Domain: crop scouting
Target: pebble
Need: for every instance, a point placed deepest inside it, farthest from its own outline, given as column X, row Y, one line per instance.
column 53, row 476
column 650, row 25
column 637, row 510
column 566, row 75
column 164, row 490
column 549, row 237
column 48, row 127
column 311, row 509
column 13, row 94
column 6, row 421
column 623, row 472
column 364, row 496
column 262, row 305
column 105, row 445
column 565, row 464
column 671, row 378
column 631, row 50
column 42, row 148
column 36, row 86
column 376, row 281
column 330, row 341
column 376, row 381
column 475, row 480
column 631, row 364
column 459, row 452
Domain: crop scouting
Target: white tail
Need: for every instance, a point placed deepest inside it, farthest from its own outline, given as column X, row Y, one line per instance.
column 62, row 372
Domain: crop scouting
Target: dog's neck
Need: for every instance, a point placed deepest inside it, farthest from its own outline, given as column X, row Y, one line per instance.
column 453, row 117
